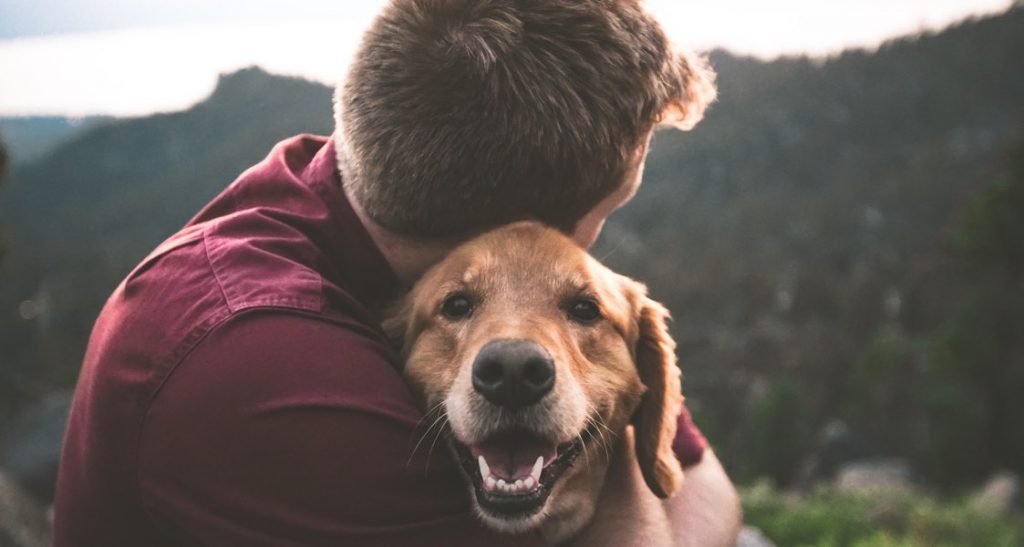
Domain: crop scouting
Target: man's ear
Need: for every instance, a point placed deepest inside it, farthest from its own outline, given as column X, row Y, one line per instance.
column 691, row 82
column 656, row 416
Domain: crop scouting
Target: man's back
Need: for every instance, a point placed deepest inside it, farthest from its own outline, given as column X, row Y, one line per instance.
column 236, row 389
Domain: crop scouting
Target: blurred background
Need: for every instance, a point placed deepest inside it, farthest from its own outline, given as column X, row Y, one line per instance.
column 841, row 241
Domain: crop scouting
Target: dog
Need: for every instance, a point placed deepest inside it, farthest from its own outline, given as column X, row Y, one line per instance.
column 538, row 359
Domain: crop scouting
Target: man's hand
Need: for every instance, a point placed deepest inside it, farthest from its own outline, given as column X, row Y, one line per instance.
column 704, row 513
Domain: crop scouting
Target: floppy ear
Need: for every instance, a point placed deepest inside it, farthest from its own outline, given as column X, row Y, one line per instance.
column 655, row 417
column 691, row 82
column 396, row 323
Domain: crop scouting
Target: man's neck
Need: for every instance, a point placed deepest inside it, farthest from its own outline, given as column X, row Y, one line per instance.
column 409, row 258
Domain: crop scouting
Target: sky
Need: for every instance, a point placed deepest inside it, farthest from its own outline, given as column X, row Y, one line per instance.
column 135, row 57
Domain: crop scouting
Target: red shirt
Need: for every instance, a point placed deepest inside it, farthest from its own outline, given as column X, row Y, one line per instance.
column 237, row 389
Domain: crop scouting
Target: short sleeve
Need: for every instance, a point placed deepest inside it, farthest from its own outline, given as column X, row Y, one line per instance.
column 689, row 444
column 282, row 429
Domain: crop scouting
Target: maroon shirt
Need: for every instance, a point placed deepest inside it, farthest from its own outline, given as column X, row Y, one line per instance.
column 237, row 389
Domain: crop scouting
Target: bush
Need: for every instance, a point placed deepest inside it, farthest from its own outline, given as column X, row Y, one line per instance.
column 878, row 403
column 830, row 518
column 775, row 434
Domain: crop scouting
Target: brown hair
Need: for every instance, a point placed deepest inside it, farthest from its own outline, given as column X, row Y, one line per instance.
column 462, row 115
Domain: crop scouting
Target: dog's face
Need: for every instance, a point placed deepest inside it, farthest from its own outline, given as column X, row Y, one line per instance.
column 538, row 357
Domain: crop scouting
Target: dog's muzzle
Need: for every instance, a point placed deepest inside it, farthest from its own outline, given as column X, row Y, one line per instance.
column 514, row 468
column 513, row 374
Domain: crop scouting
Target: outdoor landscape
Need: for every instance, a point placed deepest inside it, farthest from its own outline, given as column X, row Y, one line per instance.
column 841, row 243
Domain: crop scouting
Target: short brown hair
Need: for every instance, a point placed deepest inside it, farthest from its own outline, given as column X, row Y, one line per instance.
column 462, row 115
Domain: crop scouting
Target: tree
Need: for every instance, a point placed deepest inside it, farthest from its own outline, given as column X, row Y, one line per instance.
column 973, row 372
column 774, row 434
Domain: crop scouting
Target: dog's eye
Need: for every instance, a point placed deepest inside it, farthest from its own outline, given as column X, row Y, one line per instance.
column 457, row 306
column 584, row 310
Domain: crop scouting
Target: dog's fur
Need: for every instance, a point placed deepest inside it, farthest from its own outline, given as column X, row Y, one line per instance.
column 616, row 372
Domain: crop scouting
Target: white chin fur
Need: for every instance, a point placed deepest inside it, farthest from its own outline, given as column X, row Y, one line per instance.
column 513, row 526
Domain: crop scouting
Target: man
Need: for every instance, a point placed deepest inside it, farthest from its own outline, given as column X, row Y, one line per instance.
column 237, row 389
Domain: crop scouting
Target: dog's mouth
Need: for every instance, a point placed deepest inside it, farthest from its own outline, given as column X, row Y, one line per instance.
column 514, row 471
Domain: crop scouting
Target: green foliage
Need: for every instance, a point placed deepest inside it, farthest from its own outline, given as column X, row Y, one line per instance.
column 775, row 434
column 954, row 395
column 993, row 231
column 974, row 367
column 877, row 389
column 950, row 399
column 830, row 518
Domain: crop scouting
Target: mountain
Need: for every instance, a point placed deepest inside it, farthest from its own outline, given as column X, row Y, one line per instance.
column 30, row 137
column 79, row 218
column 815, row 191
column 813, row 209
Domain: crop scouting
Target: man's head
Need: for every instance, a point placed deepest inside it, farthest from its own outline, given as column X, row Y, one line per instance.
column 462, row 115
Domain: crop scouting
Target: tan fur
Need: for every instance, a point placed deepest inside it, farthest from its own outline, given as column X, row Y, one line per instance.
column 618, row 371
column 656, row 417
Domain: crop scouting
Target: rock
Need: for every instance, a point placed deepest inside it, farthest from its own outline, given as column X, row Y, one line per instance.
column 1000, row 494
column 23, row 522
column 875, row 475
column 752, row 537
column 30, row 447
column 836, row 447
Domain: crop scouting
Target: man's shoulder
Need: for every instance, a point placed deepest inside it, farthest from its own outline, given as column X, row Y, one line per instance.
column 283, row 425
column 279, row 357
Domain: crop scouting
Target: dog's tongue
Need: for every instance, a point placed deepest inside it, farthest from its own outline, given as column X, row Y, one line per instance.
column 513, row 455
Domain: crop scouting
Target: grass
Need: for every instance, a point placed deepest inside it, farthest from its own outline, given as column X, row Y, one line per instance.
column 897, row 518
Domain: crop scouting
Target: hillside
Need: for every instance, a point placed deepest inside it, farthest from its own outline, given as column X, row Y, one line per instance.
column 30, row 137
column 816, row 203
column 812, row 209
column 79, row 218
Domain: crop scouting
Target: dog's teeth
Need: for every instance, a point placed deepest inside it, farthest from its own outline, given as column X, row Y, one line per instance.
column 529, row 483
column 519, row 484
column 502, row 484
column 485, row 470
column 537, row 468
column 491, row 483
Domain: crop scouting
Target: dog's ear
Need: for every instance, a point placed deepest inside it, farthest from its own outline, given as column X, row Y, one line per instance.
column 691, row 84
column 655, row 417
column 396, row 323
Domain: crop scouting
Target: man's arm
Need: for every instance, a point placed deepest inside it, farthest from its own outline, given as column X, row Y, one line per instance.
column 704, row 513
column 285, row 430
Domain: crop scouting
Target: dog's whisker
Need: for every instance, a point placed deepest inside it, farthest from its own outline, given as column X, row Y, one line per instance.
column 602, row 441
column 586, row 453
column 605, row 435
column 442, row 416
column 440, row 431
column 429, row 413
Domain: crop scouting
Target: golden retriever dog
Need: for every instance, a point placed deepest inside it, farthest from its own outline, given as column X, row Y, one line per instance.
column 536, row 358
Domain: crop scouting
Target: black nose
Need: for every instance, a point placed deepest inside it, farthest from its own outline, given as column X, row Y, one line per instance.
column 513, row 373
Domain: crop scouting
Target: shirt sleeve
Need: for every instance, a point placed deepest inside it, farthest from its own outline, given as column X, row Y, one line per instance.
column 689, row 444
column 282, row 429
